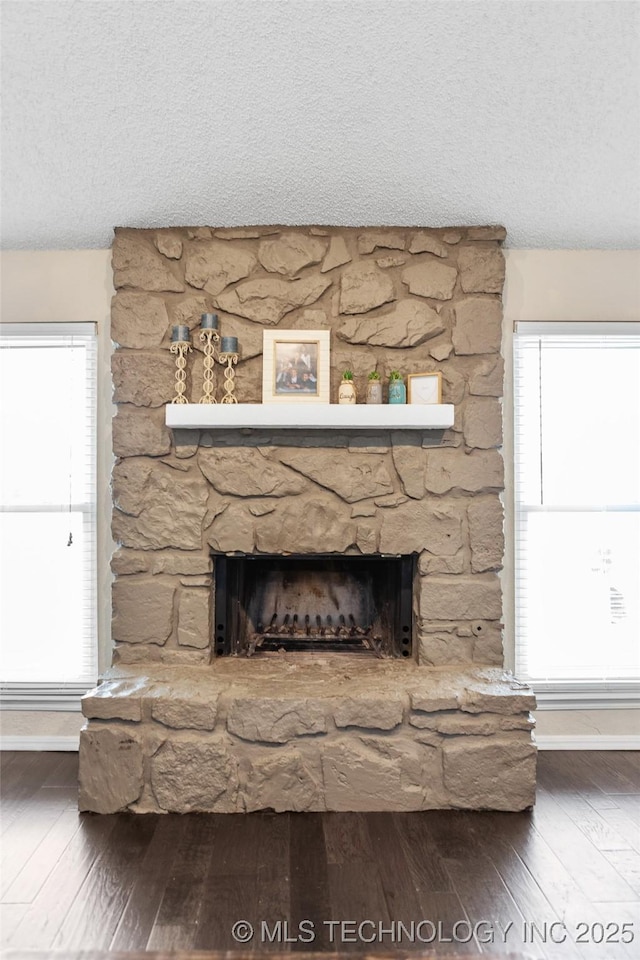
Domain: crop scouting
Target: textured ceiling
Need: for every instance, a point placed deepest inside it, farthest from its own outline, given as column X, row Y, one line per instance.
column 348, row 112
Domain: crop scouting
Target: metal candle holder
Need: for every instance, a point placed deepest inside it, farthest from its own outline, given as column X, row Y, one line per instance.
column 208, row 337
column 230, row 359
column 181, row 346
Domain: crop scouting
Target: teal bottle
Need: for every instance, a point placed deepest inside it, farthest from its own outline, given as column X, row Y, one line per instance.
column 397, row 391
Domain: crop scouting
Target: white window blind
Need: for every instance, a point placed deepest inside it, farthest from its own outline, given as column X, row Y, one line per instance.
column 577, row 477
column 48, row 645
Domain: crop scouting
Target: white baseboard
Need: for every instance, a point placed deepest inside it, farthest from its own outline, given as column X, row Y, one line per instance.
column 39, row 743
column 587, row 742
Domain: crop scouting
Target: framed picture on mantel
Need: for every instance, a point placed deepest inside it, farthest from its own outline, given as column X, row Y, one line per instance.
column 295, row 366
column 425, row 387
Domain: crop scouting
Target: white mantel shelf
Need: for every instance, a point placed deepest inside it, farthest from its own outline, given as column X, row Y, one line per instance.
column 309, row 416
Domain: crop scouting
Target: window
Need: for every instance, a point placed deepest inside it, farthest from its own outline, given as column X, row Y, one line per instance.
column 48, row 646
column 577, row 479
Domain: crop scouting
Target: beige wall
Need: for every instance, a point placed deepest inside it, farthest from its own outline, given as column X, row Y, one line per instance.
column 75, row 286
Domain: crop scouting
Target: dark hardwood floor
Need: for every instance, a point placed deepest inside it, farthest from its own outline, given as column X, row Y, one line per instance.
column 562, row 881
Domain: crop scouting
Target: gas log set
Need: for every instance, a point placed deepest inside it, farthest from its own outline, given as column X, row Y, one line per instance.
column 317, row 633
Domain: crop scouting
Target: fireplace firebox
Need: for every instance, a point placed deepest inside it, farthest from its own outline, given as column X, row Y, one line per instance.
column 321, row 603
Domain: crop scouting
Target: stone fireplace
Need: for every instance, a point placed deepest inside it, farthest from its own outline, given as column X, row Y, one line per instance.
column 308, row 621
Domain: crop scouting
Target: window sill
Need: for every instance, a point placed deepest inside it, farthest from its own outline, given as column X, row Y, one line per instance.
column 586, row 695
column 46, row 697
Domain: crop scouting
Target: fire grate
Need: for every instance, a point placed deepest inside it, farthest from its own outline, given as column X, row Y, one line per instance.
column 322, row 603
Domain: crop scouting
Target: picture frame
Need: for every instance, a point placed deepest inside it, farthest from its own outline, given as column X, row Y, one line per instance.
column 295, row 366
column 424, row 387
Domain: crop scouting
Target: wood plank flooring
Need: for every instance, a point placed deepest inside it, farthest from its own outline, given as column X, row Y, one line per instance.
column 562, row 881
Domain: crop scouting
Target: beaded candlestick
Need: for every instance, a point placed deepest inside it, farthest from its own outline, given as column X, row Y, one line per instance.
column 208, row 336
column 181, row 346
column 230, row 359
column 229, row 356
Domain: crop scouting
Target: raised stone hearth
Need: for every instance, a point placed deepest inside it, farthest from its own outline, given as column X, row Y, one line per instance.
column 327, row 734
column 175, row 727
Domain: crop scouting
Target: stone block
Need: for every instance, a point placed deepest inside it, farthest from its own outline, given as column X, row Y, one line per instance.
column 275, row 720
column 191, row 775
column 427, row 563
column 143, row 379
column 204, row 581
column 184, row 712
column 478, row 326
column 139, row 432
column 110, row 769
column 496, row 692
column 423, row 242
column 290, row 252
column 378, row 713
column 114, row 700
column 369, row 774
column 232, row 530
column 391, row 261
column 486, row 380
column 422, row 525
column 363, row 287
column 481, row 268
column 486, row 535
column 285, row 780
column 496, row 773
column 126, row 561
column 488, row 646
column 367, row 537
column 353, row 478
column 247, row 472
column 392, row 500
column 268, row 300
column 408, row 324
column 440, row 650
column 460, row 597
column 381, row 239
column 482, row 422
column 136, row 263
column 363, row 510
column 480, row 470
column 127, row 654
column 441, row 351
column 213, row 264
column 410, row 462
column 185, row 656
column 337, row 255
column 187, row 311
column 304, row 525
column 194, row 618
column 138, row 320
column 157, row 506
column 479, row 724
column 169, row 244
column 187, row 563
column 142, row 610
column 431, row 278
column 490, row 232
column 453, row 388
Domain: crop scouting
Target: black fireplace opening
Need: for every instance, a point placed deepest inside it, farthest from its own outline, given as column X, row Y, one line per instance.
column 266, row 605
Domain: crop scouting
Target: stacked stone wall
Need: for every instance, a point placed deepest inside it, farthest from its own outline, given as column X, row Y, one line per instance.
column 411, row 299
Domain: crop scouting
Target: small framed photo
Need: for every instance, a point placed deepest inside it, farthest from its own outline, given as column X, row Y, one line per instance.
column 425, row 388
column 295, row 366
